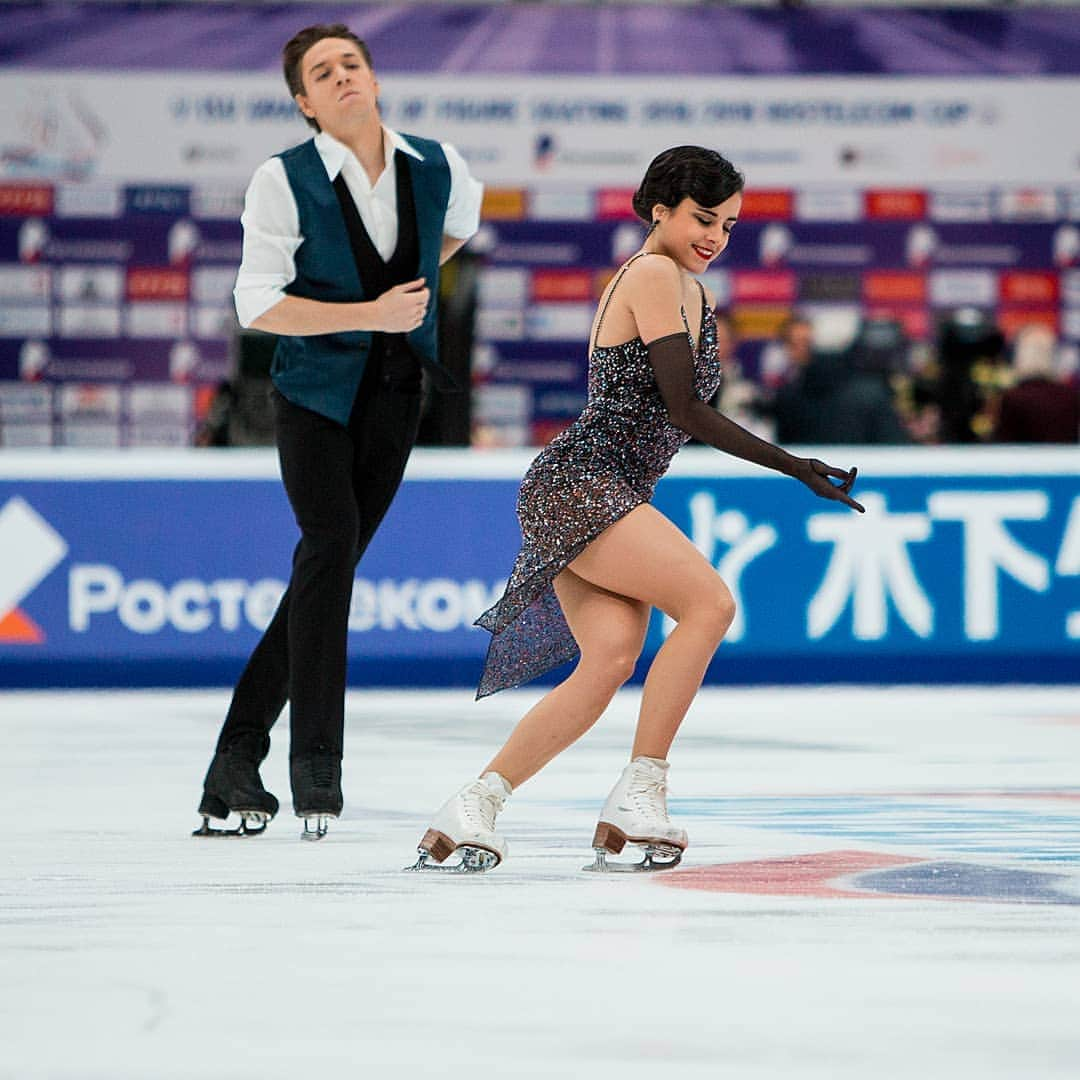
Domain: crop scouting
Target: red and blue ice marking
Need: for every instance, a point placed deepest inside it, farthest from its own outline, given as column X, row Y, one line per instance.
column 1008, row 826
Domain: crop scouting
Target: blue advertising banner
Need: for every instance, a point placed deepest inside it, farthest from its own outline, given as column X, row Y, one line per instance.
column 163, row 569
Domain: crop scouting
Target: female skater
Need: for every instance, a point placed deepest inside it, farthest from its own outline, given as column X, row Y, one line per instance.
column 596, row 556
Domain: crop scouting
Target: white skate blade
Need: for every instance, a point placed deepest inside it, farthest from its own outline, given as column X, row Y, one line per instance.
column 315, row 826
column 474, row 860
column 655, row 857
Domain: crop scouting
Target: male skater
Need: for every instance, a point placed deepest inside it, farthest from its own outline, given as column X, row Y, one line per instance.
column 343, row 239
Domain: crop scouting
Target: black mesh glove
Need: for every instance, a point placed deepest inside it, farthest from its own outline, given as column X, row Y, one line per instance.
column 673, row 365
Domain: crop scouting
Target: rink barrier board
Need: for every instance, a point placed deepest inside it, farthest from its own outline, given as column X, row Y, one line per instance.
column 160, row 568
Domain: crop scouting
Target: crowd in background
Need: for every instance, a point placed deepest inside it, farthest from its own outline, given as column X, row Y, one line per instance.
column 829, row 380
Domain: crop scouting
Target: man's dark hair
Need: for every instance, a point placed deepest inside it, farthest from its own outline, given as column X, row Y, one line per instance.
column 704, row 175
column 297, row 46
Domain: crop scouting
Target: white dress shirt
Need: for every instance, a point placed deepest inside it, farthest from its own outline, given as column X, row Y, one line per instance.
column 272, row 224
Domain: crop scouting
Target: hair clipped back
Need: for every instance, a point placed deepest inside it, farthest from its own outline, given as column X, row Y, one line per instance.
column 295, row 48
column 704, row 175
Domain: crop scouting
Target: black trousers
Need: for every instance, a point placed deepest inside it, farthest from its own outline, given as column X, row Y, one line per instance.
column 340, row 482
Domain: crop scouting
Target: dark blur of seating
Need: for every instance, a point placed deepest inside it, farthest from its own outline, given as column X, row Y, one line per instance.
column 844, row 394
column 1038, row 407
column 240, row 412
column 970, row 373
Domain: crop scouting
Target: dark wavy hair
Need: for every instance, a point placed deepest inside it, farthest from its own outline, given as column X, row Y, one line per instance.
column 704, row 175
column 298, row 45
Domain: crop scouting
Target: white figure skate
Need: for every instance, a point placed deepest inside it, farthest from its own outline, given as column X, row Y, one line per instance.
column 636, row 813
column 466, row 824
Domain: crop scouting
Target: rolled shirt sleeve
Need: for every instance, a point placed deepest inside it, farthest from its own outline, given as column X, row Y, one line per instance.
column 271, row 236
column 466, row 195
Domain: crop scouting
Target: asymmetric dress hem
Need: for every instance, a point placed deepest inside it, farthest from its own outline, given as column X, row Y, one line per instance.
column 591, row 475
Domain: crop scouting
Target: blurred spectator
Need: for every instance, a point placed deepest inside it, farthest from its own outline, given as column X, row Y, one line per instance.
column 783, row 359
column 240, row 413
column 1038, row 408
column 970, row 365
column 843, row 395
column 917, row 395
column 738, row 398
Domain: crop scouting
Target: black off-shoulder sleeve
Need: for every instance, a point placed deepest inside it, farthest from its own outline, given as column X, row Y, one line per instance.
column 673, row 366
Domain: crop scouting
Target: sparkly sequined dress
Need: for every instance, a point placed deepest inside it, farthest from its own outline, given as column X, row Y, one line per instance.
column 595, row 472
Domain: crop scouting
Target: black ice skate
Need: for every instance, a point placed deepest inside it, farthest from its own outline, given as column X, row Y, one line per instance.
column 316, row 785
column 233, row 784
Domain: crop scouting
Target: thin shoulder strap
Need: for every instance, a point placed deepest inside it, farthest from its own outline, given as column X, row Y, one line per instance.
column 611, row 293
column 704, row 305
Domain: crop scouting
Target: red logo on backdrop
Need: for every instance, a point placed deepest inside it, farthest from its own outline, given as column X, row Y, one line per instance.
column 763, row 286
column 25, row 200
column 543, row 431
column 894, row 287
column 614, row 204
column 157, row 283
column 904, row 204
column 1029, row 287
column 915, row 321
column 768, row 203
column 562, row 285
column 1012, row 320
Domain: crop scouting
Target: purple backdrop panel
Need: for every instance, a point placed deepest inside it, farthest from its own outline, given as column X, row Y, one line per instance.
column 542, row 39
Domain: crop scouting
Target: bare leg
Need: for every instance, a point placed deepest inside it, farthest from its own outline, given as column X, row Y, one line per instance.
column 610, row 631
column 645, row 557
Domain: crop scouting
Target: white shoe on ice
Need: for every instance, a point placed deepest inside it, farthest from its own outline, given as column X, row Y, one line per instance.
column 636, row 813
column 466, row 823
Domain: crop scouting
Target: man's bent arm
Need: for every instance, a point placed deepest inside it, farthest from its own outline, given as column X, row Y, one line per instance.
column 299, row 317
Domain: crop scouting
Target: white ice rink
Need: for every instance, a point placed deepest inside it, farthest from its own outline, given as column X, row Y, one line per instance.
column 880, row 883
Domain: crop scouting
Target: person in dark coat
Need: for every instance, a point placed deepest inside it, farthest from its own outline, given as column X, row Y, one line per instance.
column 843, row 396
column 1039, row 408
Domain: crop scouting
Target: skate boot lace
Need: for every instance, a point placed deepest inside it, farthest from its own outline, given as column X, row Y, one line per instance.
column 480, row 805
column 649, row 796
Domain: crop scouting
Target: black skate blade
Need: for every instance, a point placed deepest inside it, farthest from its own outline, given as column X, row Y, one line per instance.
column 656, row 857
column 474, row 860
column 252, row 823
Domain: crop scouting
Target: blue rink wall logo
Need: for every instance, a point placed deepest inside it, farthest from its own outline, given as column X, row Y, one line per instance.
column 191, row 606
column 880, row 574
column 32, row 549
column 970, row 577
column 102, row 598
column 97, row 591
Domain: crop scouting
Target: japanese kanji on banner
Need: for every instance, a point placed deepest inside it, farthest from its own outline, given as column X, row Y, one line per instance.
column 965, row 567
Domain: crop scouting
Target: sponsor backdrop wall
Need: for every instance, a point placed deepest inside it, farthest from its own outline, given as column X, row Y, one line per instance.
column 161, row 569
column 899, row 162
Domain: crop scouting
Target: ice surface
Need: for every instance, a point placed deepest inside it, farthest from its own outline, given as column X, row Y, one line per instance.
column 887, row 884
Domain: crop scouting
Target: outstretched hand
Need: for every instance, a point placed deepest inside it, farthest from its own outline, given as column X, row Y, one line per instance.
column 815, row 475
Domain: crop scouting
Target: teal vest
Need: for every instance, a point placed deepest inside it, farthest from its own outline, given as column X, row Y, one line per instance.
column 322, row 372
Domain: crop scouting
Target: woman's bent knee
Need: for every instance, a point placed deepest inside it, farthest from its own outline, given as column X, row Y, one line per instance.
column 712, row 614
column 610, row 670
column 621, row 668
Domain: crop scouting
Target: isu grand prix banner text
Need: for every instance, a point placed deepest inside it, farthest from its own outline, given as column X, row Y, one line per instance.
column 536, row 130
